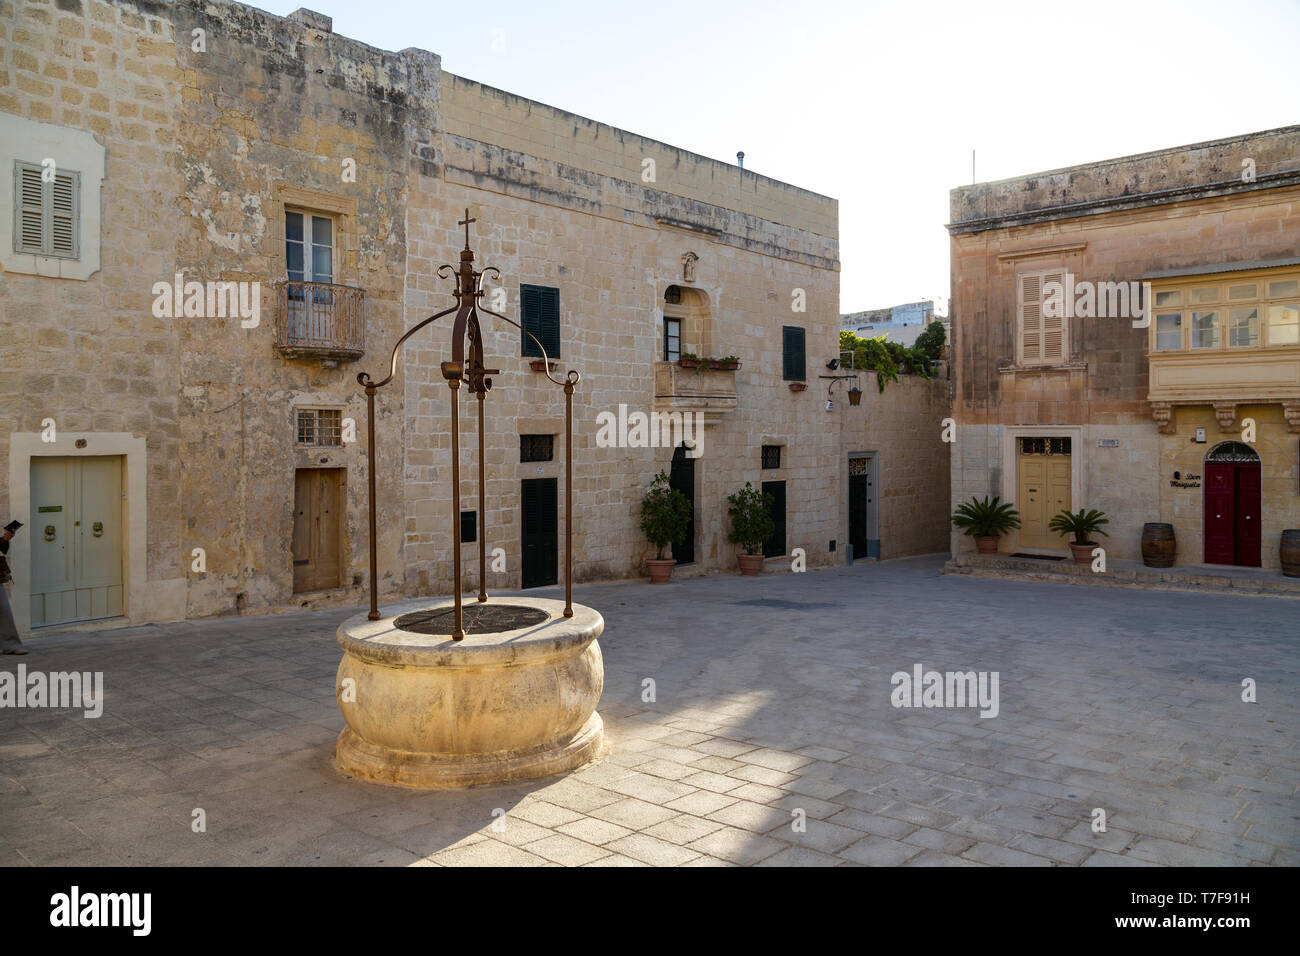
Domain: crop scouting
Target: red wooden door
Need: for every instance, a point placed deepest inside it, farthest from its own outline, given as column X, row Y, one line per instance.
column 1232, row 513
column 1246, row 499
column 1220, row 541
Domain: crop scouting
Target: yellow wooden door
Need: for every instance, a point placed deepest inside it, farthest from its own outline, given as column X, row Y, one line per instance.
column 1044, row 491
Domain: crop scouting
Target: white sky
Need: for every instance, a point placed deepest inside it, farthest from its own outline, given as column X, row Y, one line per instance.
column 875, row 104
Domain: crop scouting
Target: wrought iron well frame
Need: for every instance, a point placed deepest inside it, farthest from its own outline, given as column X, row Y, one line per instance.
column 475, row 374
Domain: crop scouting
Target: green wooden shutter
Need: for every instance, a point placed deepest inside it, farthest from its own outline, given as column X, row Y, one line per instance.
column 794, row 359
column 540, row 308
column 551, row 322
column 47, row 216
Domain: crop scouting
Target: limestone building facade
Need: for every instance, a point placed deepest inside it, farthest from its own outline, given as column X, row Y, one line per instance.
column 221, row 216
column 1125, row 338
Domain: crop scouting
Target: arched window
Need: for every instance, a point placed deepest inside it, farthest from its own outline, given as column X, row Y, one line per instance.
column 688, row 324
column 1232, row 451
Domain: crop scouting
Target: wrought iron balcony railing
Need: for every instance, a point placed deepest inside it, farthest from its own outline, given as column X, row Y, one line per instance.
column 320, row 320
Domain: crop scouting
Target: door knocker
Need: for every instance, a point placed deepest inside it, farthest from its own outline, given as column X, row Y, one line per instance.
column 49, row 532
column 97, row 529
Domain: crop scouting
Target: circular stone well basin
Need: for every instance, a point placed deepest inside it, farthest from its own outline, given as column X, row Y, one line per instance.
column 504, row 705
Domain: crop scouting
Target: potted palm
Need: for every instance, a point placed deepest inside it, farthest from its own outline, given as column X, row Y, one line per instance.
column 985, row 521
column 1083, row 525
column 750, row 511
column 665, row 515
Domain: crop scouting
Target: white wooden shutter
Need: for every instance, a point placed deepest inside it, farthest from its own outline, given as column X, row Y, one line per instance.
column 1031, row 318
column 29, row 215
column 64, row 228
column 47, row 215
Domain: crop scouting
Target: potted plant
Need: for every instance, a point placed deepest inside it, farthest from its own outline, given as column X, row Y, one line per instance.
column 539, row 365
column 1083, row 525
column 985, row 521
column 689, row 360
column 665, row 515
column 750, row 511
column 729, row 363
column 798, row 386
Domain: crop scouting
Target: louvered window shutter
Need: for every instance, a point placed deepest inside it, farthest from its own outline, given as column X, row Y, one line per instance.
column 1031, row 319
column 540, row 315
column 1054, row 325
column 794, row 359
column 47, row 215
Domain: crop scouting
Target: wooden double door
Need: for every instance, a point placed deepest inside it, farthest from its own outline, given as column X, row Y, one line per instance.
column 1232, row 513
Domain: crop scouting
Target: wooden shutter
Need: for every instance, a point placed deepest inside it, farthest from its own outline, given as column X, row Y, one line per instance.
column 1042, row 337
column 1031, row 318
column 63, row 214
column 540, row 308
column 794, row 360
column 29, row 218
column 46, row 215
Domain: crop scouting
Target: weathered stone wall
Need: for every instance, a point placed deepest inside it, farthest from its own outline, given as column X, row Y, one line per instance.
column 1116, row 221
column 574, row 213
column 903, row 427
column 89, row 354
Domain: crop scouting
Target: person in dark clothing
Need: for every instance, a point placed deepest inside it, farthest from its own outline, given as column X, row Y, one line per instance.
column 9, row 642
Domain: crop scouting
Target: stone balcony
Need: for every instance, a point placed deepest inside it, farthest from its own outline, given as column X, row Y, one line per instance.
column 711, row 392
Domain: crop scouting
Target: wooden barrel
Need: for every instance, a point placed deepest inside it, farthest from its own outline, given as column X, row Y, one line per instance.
column 1291, row 552
column 1158, row 545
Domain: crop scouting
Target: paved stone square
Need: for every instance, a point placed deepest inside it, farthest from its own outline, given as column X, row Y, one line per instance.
column 771, row 706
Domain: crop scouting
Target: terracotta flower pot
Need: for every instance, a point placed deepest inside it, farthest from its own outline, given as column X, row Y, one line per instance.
column 750, row 564
column 798, row 386
column 1082, row 552
column 987, row 545
column 660, row 569
column 689, row 363
column 538, row 365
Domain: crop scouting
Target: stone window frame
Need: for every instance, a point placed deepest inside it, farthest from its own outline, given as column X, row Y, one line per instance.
column 342, row 209
column 1042, row 359
column 29, row 141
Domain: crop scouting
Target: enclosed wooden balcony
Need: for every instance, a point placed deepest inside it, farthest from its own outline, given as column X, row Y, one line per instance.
column 320, row 320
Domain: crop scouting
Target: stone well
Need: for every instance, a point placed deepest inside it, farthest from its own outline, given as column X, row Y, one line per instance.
column 516, row 699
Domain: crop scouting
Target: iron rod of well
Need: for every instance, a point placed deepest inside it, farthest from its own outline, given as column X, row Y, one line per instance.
column 456, row 634
column 370, row 455
column 568, row 499
column 482, row 506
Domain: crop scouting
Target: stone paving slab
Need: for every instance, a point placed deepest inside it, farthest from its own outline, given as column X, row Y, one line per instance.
column 770, row 738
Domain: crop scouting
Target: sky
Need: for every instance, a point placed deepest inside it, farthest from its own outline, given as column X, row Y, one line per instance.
column 878, row 105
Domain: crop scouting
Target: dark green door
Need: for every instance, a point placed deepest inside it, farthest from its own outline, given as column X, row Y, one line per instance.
column 540, row 520
column 858, row 491
column 683, row 480
column 775, row 546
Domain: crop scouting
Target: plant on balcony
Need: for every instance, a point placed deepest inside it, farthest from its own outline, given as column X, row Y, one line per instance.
column 1083, row 525
column 750, row 511
column 985, row 521
column 689, row 360
column 891, row 359
column 665, row 516
column 729, row 362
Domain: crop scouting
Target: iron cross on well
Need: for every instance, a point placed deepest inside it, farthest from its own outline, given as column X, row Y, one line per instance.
column 465, row 222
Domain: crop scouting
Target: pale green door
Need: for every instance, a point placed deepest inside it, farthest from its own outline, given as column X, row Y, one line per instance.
column 76, row 539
